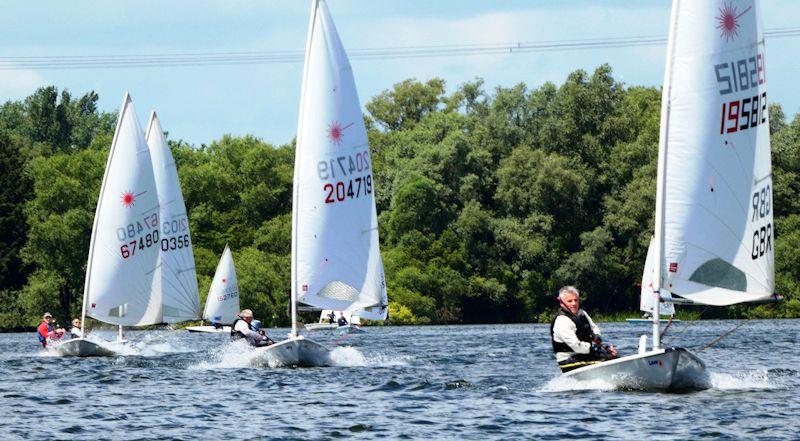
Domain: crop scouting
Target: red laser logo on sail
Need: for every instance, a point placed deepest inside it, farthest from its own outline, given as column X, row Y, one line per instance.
column 128, row 199
column 336, row 132
column 728, row 21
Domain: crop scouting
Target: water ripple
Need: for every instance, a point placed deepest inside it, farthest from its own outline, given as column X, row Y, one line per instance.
column 398, row 383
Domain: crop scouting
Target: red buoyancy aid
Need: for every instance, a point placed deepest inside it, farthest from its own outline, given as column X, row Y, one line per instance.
column 44, row 331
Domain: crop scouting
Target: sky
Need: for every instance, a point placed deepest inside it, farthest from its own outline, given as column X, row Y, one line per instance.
column 201, row 103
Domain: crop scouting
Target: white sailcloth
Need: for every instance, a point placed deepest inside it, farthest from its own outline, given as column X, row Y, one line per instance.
column 648, row 295
column 222, row 303
column 336, row 257
column 180, row 300
column 718, row 230
column 124, row 249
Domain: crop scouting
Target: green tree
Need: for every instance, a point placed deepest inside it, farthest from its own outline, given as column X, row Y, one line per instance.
column 407, row 103
column 14, row 190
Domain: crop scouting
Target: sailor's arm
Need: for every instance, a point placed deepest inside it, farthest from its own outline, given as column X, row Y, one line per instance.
column 564, row 329
column 242, row 327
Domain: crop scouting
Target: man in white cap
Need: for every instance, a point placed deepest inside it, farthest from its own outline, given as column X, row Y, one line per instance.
column 243, row 328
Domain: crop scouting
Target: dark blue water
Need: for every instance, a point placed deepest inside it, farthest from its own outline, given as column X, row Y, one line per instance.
column 447, row 382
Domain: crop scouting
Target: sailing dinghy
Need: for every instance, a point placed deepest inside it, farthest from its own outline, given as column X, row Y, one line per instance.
column 353, row 325
column 714, row 241
column 336, row 262
column 124, row 248
column 222, row 303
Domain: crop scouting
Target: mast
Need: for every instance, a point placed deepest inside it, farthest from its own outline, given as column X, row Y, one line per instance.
column 298, row 143
column 83, row 307
column 662, row 175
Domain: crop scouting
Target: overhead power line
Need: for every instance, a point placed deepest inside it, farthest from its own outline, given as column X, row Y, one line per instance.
column 197, row 59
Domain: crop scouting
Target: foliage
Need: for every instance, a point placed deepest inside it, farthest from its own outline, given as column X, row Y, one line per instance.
column 488, row 201
column 14, row 190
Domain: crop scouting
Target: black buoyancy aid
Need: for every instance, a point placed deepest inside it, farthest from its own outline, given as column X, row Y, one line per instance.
column 583, row 331
column 236, row 335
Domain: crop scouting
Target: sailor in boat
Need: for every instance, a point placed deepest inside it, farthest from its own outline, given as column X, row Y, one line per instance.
column 47, row 330
column 75, row 330
column 242, row 328
column 342, row 321
column 331, row 317
column 575, row 337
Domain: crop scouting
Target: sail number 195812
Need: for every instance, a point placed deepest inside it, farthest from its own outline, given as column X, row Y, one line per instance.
column 743, row 75
column 762, row 236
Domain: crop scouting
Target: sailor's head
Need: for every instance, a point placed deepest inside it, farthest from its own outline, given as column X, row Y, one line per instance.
column 569, row 297
column 246, row 315
column 47, row 317
column 76, row 322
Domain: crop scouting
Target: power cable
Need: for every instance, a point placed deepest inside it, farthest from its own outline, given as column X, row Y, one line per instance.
column 200, row 59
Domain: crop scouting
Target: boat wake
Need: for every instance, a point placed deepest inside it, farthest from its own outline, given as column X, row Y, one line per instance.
column 746, row 380
column 160, row 343
column 240, row 355
column 234, row 355
column 348, row 356
column 565, row 384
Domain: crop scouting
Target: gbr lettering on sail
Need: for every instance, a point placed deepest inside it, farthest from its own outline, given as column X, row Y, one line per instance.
column 741, row 83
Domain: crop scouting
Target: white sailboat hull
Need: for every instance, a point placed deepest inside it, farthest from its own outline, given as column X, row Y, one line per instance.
column 80, row 347
column 209, row 329
column 649, row 321
column 295, row 351
column 321, row 326
column 350, row 329
column 663, row 369
column 346, row 329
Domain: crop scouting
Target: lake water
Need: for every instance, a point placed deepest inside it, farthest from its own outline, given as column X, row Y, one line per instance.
column 443, row 382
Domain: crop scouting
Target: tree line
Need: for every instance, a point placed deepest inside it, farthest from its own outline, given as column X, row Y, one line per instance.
column 488, row 201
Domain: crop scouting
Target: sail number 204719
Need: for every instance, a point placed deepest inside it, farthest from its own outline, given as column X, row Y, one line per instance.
column 344, row 171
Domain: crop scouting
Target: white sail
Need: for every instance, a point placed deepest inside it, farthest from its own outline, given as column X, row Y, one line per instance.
column 180, row 300
column 648, row 295
column 718, row 234
column 222, row 303
column 336, row 258
column 124, row 249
